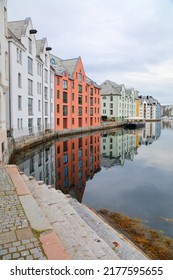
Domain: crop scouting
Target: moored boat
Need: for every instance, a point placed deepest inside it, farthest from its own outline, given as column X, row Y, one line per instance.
column 133, row 123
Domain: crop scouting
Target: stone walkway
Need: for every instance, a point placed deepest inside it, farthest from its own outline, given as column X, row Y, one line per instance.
column 17, row 239
column 38, row 222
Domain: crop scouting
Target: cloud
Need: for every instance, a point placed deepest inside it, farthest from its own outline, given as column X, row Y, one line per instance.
column 125, row 40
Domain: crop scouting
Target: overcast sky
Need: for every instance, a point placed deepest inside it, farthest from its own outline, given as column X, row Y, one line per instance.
column 127, row 41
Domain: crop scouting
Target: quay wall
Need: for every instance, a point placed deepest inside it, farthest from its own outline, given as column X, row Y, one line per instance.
column 29, row 141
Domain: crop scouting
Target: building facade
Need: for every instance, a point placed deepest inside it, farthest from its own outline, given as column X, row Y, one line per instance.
column 117, row 102
column 150, row 108
column 77, row 98
column 4, row 81
column 31, row 91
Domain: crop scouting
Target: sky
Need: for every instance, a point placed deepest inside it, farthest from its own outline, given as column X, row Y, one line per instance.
column 129, row 42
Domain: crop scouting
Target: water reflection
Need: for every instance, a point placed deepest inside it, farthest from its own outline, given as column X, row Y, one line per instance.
column 76, row 161
column 98, row 170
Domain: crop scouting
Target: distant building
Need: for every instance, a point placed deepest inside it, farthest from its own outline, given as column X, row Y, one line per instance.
column 31, row 94
column 4, row 80
column 150, row 108
column 77, row 98
column 117, row 102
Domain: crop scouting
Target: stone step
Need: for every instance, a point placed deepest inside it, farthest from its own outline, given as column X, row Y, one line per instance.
column 79, row 240
column 34, row 214
column 124, row 248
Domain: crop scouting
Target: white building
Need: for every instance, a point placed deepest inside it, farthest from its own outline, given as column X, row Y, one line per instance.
column 4, row 80
column 31, row 91
column 150, row 108
column 117, row 102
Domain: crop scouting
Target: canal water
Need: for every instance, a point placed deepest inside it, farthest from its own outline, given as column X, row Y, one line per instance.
column 121, row 170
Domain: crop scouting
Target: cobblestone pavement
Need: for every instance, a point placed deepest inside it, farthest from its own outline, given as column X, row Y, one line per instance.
column 17, row 240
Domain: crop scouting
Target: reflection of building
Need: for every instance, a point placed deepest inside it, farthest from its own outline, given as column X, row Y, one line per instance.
column 3, row 80
column 41, row 165
column 151, row 133
column 76, row 161
column 116, row 147
column 166, row 123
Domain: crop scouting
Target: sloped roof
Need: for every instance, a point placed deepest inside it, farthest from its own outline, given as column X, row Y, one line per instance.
column 109, row 87
column 70, row 64
column 18, row 28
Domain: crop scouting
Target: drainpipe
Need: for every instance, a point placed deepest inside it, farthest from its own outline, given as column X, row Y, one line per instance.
column 43, row 100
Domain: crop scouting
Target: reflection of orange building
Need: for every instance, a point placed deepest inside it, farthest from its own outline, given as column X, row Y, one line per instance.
column 77, row 98
column 76, row 161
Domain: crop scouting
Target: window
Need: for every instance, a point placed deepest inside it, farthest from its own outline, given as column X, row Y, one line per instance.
column 39, row 124
column 104, row 104
column 79, row 77
column 65, row 158
column 58, row 81
column 46, row 59
column 111, row 112
column 19, row 80
column 19, row 102
column 111, row 98
column 57, row 94
column 73, row 96
column 58, row 121
column 111, row 105
column 64, row 97
column 30, row 106
column 45, row 75
column 30, row 87
column 72, row 120
column 30, row 66
column 79, row 111
column 91, row 111
column 30, row 45
column 65, row 84
column 46, row 108
column 19, row 56
column 57, row 108
column 80, row 88
column 80, row 99
column 39, row 105
column 65, row 171
column 72, row 84
column 72, row 109
column 91, row 101
column 46, row 93
column 65, row 111
column 39, row 69
column 30, row 125
column 91, row 91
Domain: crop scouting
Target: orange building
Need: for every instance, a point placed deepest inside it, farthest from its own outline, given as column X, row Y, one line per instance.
column 76, row 161
column 77, row 98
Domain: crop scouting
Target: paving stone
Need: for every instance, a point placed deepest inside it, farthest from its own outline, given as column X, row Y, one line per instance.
column 23, row 234
column 12, row 250
column 24, row 253
column 21, row 248
column 16, row 255
column 7, row 257
column 7, row 237
column 3, row 252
